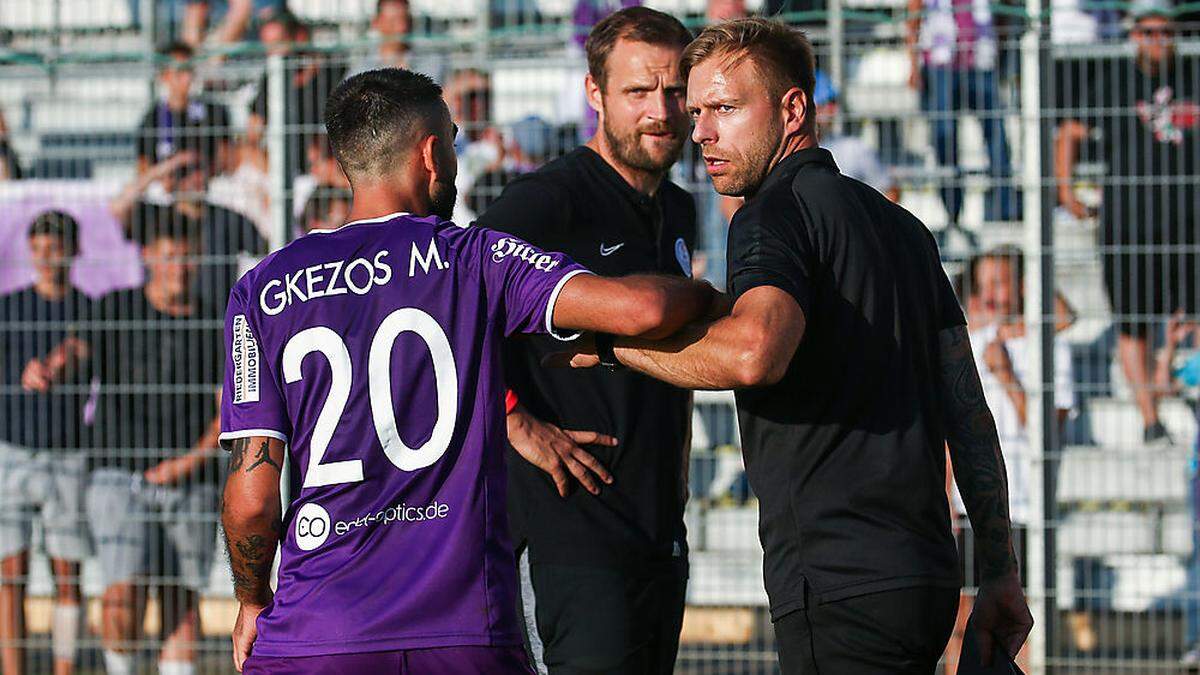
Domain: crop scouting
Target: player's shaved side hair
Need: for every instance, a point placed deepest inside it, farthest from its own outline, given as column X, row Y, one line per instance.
column 376, row 118
column 783, row 55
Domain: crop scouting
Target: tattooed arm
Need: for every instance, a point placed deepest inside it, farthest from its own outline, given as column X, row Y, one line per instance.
column 1000, row 610
column 250, row 514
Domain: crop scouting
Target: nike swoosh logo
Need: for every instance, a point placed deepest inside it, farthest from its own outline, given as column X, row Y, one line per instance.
column 609, row 250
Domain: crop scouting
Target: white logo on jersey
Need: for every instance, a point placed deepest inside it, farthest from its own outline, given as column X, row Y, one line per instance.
column 430, row 258
column 312, row 526
column 609, row 250
column 357, row 276
column 518, row 249
column 244, row 353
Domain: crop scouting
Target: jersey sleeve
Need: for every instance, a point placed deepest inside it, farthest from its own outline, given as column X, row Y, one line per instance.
column 527, row 280
column 765, row 249
column 251, row 401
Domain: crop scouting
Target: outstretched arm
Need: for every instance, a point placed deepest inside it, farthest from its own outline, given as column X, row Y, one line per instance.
column 642, row 305
column 251, row 516
column 1000, row 610
column 752, row 346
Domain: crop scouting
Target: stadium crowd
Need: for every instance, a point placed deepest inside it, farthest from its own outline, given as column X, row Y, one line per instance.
column 108, row 418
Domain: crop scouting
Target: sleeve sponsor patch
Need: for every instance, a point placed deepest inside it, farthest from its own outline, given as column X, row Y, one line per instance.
column 244, row 352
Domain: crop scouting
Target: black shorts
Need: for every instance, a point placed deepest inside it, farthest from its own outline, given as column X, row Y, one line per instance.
column 901, row 632
column 603, row 620
column 1147, row 282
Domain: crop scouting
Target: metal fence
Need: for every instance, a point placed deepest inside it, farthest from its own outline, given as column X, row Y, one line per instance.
column 1055, row 156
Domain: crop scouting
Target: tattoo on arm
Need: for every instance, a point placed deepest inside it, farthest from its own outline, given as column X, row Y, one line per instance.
column 975, row 453
column 263, row 456
column 250, row 560
column 237, row 453
column 251, row 517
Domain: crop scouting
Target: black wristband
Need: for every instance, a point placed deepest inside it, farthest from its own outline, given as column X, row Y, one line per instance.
column 604, row 350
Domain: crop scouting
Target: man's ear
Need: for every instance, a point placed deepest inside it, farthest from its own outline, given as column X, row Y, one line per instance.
column 595, row 96
column 429, row 150
column 798, row 115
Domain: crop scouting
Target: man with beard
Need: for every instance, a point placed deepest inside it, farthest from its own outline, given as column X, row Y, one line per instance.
column 604, row 571
column 852, row 366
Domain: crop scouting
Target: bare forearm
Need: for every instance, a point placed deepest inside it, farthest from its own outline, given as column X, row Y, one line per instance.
column 698, row 357
column 1016, row 395
column 206, row 445
column 250, row 514
column 975, row 454
column 122, row 205
column 1066, row 153
column 237, row 18
column 639, row 305
column 195, row 20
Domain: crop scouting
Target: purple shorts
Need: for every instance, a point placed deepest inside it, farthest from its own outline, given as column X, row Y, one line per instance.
column 438, row 661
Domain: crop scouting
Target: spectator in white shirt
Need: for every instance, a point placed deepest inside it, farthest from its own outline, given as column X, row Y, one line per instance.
column 995, row 302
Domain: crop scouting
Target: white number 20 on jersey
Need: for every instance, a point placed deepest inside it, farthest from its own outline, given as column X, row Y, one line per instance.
column 379, row 382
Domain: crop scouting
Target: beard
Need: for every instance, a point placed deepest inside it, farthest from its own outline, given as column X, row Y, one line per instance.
column 748, row 169
column 442, row 196
column 628, row 149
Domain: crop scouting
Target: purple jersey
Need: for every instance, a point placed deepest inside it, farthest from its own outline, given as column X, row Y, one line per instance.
column 374, row 351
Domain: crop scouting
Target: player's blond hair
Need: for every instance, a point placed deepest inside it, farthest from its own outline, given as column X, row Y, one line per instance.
column 783, row 55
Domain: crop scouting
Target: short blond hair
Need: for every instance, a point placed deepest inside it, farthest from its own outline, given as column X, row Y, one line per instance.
column 781, row 53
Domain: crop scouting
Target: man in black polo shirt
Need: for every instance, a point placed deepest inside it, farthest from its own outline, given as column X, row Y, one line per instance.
column 179, row 122
column 608, row 569
column 853, row 366
column 43, row 471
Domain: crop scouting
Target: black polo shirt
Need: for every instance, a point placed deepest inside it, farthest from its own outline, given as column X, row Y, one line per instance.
column 201, row 127
column 846, row 453
column 580, row 205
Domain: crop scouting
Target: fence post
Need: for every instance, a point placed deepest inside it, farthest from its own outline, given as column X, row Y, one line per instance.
column 1039, row 321
column 276, row 150
column 837, row 54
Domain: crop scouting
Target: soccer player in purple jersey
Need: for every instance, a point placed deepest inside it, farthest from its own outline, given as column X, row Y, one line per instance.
column 372, row 352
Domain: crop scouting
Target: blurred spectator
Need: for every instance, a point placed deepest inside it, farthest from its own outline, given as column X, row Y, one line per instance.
column 246, row 189
column 10, row 168
column 853, row 156
column 995, row 303
column 1147, row 121
column 177, row 121
column 716, row 11
column 152, row 499
column 532, row 140
column 309, row 78
column 953, row 49
column 996, row 315
column 43, row 471
column 222, row 234
column 326, row 209
column 1172, row 380
column 229, row 20
column 323, row 171
column 393, row 29
column 1082, row 22
column 480, row 146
